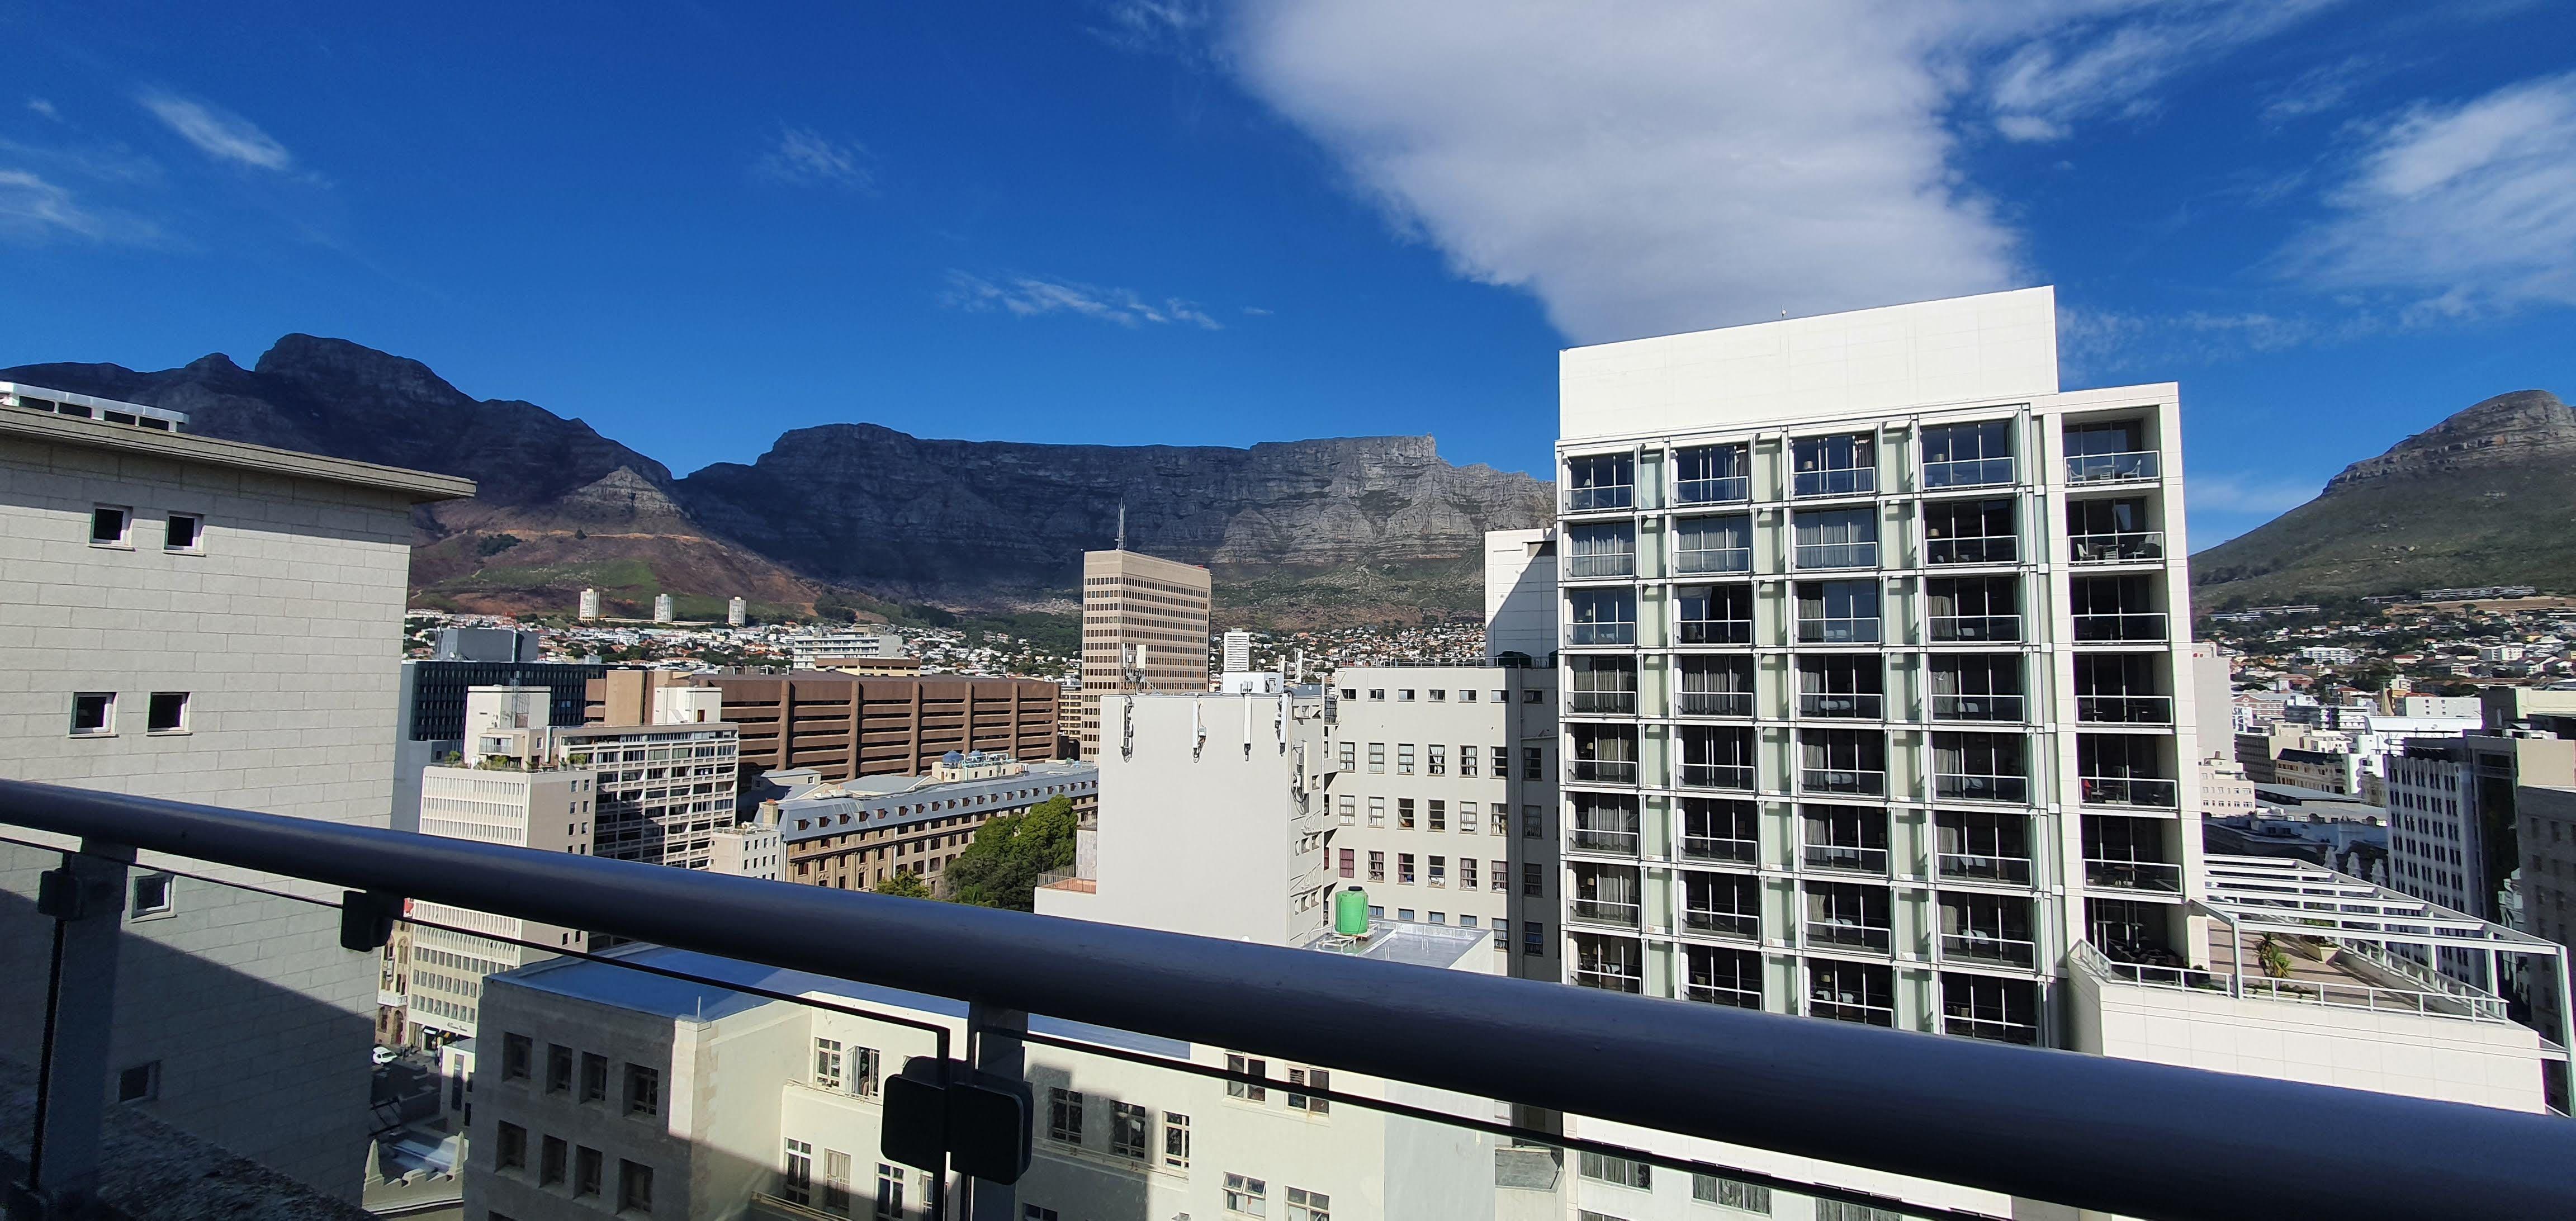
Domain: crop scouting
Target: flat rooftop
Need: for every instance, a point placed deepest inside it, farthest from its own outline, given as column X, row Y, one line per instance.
column 101, row 431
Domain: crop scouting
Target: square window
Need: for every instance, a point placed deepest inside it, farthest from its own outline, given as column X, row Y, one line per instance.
column 1244, row 1089
column 513, row 1154
column 141, row 1083
column 634, row 1187
column 594, row 1077
column 93, row 713
column 558, row 1069
column 517, row 1051
column 184, row 532
column 587, row 1165
column 643, row 1090
column 152, row 893
column 167, row 713
column 111, row 526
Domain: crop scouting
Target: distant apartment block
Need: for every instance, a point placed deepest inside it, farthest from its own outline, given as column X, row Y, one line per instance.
column 844, row 726
column 432, row 698
column 816, row 649
column 207, row 621
column 853, row 834
column 1144, row 628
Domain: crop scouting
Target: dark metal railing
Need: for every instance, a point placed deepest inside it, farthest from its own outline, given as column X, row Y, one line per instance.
column 2027, row 1122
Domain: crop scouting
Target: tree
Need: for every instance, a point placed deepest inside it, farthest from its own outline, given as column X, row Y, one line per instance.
column 1001, row 868
column 903, row 885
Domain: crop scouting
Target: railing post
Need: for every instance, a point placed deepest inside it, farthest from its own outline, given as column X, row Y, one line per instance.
column 993, row 1046
column 86, row 898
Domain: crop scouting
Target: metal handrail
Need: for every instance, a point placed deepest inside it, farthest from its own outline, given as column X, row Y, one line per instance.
column 1983, row 867
column 2140, row 464
column 1709, row 1071
column 1990, row 706
column 1720, row 489
column 1601, row 632
column 1847, row 630
column 1847, row 705
column 1713, row 703
column 1968, row 473
column 2000, row 629
column 1601, row 497
column 1833, row 556
column 2126, row 547
column 1694, row 560
column 2106, row 626
column 1716, row 631
column 1732, row 776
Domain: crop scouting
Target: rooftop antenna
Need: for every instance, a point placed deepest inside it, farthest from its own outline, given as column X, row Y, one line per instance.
column 1122, row 525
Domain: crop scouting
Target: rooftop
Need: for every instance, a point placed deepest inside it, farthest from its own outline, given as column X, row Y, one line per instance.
column 36, row 426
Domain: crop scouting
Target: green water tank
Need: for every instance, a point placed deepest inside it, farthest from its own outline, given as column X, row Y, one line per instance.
column 1350, row 913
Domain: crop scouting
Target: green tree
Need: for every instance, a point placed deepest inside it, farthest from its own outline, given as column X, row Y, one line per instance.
column 903, row 884
column 1001, row 868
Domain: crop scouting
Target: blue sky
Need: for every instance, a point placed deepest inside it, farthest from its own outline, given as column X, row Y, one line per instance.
column 1217, row 223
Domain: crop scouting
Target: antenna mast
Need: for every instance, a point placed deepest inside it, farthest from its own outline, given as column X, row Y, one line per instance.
column 1122, row 525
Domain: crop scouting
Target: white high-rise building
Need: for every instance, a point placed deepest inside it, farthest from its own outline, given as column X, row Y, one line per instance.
column 1238, row 653
column 662, row 610
column 737, row 612
column 590, row 604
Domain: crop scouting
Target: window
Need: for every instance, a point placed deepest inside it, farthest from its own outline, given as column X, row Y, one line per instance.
column 1404, row 758
column 1533, row 763
column 1467, row 754
column 1501, row 875
column 889, row 1192
column 634, row 1187
column 796, row 1183
column 1350, row 863
column 1377, row 866
column 1404, row 695
column 1436, row 757
column 1176, row 1140
column 1377, row 756
column 1350, row 759
column 586, row 1170
column 1503, row 818
column 1350, row 811
column 1466, row 818
column 1404, row 813
column 93, row 713
column 551, row 1162
column 643, row 1090
column 1247, row 1196
column 1304, row 1205
column 151, row 895
column 1129, row 1130
column 1533, row 880
column 1618, row 1170
column 1731, row 1193
column 1502, row 762
column 1031, row 1212
column 1467, row 875
column 183, row 533
column 594, row 1077
column 864, row 1071
column 1534, row 939
column 167, row 713
column 141, row 1083
column 558, row 1068
column 1377, row 811
column 110, row 526
column 1377, row 693
column 827, row 1064
column 1064, row 1115
column 513, row 1153
column 516, row 1053
column 1313, row 1078
column 1439, row 870
column 1840, row 1210
column 1244, row 1089
column 1437, row 810
column 836, row 1182
column 1404, row 867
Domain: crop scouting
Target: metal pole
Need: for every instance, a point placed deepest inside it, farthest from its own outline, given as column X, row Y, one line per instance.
column 88, row 906
column 993, row 1046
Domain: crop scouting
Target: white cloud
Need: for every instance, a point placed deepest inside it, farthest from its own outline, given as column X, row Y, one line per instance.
column 2465, row 208
column 1029, row 296
column 2319, row 90
column 1694, row 164
column 45, row 108
column 33, row 209
column 806, row 157
column 218, row 133
column 1153, row 25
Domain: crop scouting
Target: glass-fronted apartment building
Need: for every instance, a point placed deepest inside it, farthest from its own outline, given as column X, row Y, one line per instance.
column 1871, row 664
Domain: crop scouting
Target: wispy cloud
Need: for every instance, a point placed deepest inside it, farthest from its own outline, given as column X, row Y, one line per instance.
column 218, row 133
column 2319, row 90
column 804, row 157
column 45, row 108
column 1153, row 25
column 33, row 210
column 2463, row 209
column 1029, row 297
column 1256, row 311
column 2095, row 344
column 2112, row 63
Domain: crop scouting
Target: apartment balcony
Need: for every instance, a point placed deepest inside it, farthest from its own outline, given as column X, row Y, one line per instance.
column 1715, row 631
column 1998, row 549
column 1843, row 705
column 1839, row 631
column 1858, row 481
column 1607, row 980
column 1840, row 935
column 1989, row 950
column 1844, row 782
column 2136, row 467
column 1732, row 998
column 1742, row 926
column 2133, row 547
column 1720, row 849
column 1847, row 857
column 1725, row 489
column 1602, row 912
column 1992, row 1029
column 2126, row 627
column 1692, row 561
column 2141, row 791
column 1974, row 629
column 1600, row 564
column 1851, row 1011
column 1609, row 843
column 1602, row 499
column 1955, row 786
column 1601, row 703
column 1995, row 708
column 1968, row 473
column 1607, row 633
column 1974, row 867
column 1713, row 703
column 2124, row 709
column 2159, row 877
column 1814, row 557
column 1601, row 771
column 1731, row 777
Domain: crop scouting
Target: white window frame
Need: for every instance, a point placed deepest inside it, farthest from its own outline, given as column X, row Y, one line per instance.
column 196, row 544
column 124, row 540
column 107, row 719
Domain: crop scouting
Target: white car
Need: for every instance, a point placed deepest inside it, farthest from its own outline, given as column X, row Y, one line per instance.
column 386, row 1055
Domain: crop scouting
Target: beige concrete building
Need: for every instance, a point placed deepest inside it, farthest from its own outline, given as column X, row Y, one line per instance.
column 1141, row 617
column 208, row 621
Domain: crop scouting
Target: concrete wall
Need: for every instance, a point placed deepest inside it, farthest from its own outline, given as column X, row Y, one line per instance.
column 1520, row 594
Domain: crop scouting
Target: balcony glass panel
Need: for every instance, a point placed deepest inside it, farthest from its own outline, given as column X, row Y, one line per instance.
column 1602, row 771
column 1838, row 631
column 2112, row 468
column 2132, row 547
column 1600, row 482
column 1964, row 786
column 1601, row 616
column 1968, row 473
column 1713, row 703
column 2129, row 791
column 1735, row 776
column 2125, row 709
column 1972, row 867
column 1984, row 1007
column 1711, row 474
column 1602, row 703
column 1837, row 555
column 1713, row 544
column 1849, row 936
column 1993, row 549
column 1600, row 551
column 1609, row 963
column 1690, row 561
column 1834, row 780
column 1722, row 924
column 1834, row 466
column 2134, row 875
column 1976, row 708
column 1989, row 950
column 2127, row 628
column 1603, row 824
column 1975, row 629
column 1970, row 455
column 1868, row 705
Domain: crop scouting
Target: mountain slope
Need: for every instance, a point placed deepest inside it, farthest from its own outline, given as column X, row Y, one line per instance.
column 2485, row 497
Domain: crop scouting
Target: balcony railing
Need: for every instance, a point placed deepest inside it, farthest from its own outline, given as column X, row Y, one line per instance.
column 1974, row 629
column 1596, row 499
column 2130, row 467
column 1856, row 481
column 1959, row 786
column 1600, row 633
column 2128, row 791
column 1725, row 489
column 1846, row 856
column 2134, row 547
column 2160, row 876
column 1989, row 950
column 1863, row 705
column 1713, row 703
column 2124, row 709
column 1602, row 911
column 1720, row 848
column 1968, row 473
column 1518, row 1041
column 1690, row 560
column 1991, row 1029
column 1972, row 867
column 1601, row 771
column 1846, row 1011
column 1838, row 631
column 1615, row 843
column 1601, row 564
column 2133, row 627
column 1842, row 780
column 1716, row 631
column 1850, row 936
column 1977, row 707
column 1837, row 555
column 1601, row 703
column 1732, row 998
column 1722, row 924
column 1992, row 549
column 1730, row 776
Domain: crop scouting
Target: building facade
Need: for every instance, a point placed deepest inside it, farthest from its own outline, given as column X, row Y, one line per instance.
column 208, row 621
column 845, row 726
column 1144, row 628
column 432, row 694
column 854, row 834
column 1874, row 668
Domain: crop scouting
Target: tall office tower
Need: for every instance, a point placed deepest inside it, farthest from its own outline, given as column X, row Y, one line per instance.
column 589, row 604
column 432, row 695
column 1238, row 653
column 2455, row 826
column 1144, row 628
column 1875, row 669
column 206, row 621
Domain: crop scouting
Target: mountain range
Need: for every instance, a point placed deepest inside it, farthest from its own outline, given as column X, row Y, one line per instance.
column 850, row 516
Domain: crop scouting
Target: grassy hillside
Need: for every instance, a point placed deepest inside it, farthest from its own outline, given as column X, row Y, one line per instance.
column 2503, row 525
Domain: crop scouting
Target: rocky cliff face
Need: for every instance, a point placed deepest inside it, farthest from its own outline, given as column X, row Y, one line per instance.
column 2504, row 431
